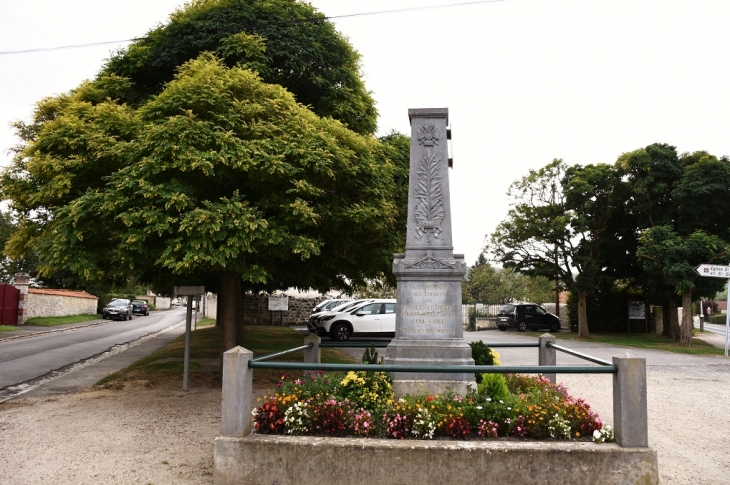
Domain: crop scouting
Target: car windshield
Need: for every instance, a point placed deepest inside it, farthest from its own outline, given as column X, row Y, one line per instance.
column 507, row 309
column 118, row 303
column 346, row 306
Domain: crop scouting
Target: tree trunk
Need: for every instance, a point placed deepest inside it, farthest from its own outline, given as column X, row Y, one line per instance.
column 583, row 315
column 685, row 331
column 227, row 308
column 673, row 318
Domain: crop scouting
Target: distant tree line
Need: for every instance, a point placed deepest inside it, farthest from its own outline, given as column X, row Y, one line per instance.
column 633, row 229
column 485, row 283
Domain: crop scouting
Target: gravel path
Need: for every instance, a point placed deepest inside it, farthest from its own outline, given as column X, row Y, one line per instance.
column 165, row 435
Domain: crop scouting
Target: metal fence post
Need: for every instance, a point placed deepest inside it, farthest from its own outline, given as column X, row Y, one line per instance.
column 313, row 355
column 547, row 354
column 630, row 416
column 237, row 393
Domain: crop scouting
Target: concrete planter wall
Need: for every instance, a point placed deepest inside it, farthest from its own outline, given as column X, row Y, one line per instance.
column 242, row 458
column 288, row 460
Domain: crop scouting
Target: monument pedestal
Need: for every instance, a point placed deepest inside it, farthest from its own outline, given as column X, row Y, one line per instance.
column 429, row 328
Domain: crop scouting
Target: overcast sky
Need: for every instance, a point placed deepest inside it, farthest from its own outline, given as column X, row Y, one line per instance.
column 525, row 81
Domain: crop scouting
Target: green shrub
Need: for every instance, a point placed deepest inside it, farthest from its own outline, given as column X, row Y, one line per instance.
column 482, row 355
column 494, row 386
column 472, row 322
column 371, row 355
column 719, row 319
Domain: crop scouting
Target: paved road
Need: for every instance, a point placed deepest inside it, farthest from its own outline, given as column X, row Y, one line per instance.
column 25, row 359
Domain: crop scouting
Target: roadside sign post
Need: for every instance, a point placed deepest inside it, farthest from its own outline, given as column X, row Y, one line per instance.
column 190, row 292
column 719, row 271
column 278, row 303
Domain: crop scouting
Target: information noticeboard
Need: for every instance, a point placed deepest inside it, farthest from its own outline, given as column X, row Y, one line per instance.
column 278, row 303
column 636, row 310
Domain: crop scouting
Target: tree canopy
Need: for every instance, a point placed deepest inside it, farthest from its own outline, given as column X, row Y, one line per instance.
column 287, row 42
column 205, row 172
column 644, row 222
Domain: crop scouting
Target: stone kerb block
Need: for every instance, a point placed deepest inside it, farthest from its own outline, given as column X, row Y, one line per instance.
column 630, row 415
column 237, row 393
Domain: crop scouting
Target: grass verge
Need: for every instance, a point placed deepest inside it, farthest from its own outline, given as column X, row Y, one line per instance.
column 166, row 364
column 641, row 341
column 53, row 321
column 8, row 328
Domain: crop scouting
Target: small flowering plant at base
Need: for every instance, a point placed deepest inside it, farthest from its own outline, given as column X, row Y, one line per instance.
column 361, row 404
column 603, row 435
column 297, row 419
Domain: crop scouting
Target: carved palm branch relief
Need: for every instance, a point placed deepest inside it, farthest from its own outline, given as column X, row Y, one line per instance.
column 429, row 211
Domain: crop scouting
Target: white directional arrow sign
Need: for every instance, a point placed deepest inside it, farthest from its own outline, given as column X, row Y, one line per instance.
column 713, row 271
column 718, row 271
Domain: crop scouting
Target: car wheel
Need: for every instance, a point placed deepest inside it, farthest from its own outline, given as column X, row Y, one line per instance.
column 502, row 329
column 522, row 326
column 555, row 327
column 340, row 332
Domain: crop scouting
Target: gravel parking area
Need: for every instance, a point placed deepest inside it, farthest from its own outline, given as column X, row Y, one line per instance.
column 163, row 435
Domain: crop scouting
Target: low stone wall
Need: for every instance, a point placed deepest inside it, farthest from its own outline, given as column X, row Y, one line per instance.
column 256, row 311
column 486, row 323
column 59, row 303
column 257, row 459
column 162, row 303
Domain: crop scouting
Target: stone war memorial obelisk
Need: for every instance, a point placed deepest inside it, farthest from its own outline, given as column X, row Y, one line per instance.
column 429, row 329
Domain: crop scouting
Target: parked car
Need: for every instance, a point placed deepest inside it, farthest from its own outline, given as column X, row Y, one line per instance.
column 328, row 305
column 526, row 315
column 140, row 307
column 342, row 307
column 118, row 309
column 370, row 318
column 175, row 302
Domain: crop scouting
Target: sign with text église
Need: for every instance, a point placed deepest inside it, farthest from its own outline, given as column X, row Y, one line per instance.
column 713, row 271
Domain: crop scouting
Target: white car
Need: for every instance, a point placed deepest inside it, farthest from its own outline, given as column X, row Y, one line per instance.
column 327, row 305
column 342, row 307
column 372, row 318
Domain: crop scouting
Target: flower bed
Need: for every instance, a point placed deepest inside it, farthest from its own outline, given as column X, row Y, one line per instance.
column 361, row 404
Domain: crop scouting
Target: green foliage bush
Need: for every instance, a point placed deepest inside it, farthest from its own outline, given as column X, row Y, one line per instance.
column 494, row 386
column 719, row 319
column 482, row 355
column 370, row 356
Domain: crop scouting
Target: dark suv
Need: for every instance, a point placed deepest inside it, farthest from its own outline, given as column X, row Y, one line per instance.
column 526, row 315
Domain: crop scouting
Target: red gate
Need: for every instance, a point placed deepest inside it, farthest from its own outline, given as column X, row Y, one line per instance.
column 9, row 296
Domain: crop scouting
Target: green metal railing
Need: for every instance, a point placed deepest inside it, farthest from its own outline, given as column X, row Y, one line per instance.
column 604, row 367
column 587, row 357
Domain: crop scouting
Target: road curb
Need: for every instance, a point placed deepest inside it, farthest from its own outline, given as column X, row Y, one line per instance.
column 55, row 330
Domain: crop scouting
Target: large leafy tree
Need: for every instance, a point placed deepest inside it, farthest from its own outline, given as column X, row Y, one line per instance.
column 559, row 227
column 214, row 178
column 678, row 204
column 286, row 41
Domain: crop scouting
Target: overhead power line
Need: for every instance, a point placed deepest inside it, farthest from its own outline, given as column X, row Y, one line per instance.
column 255, row 26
